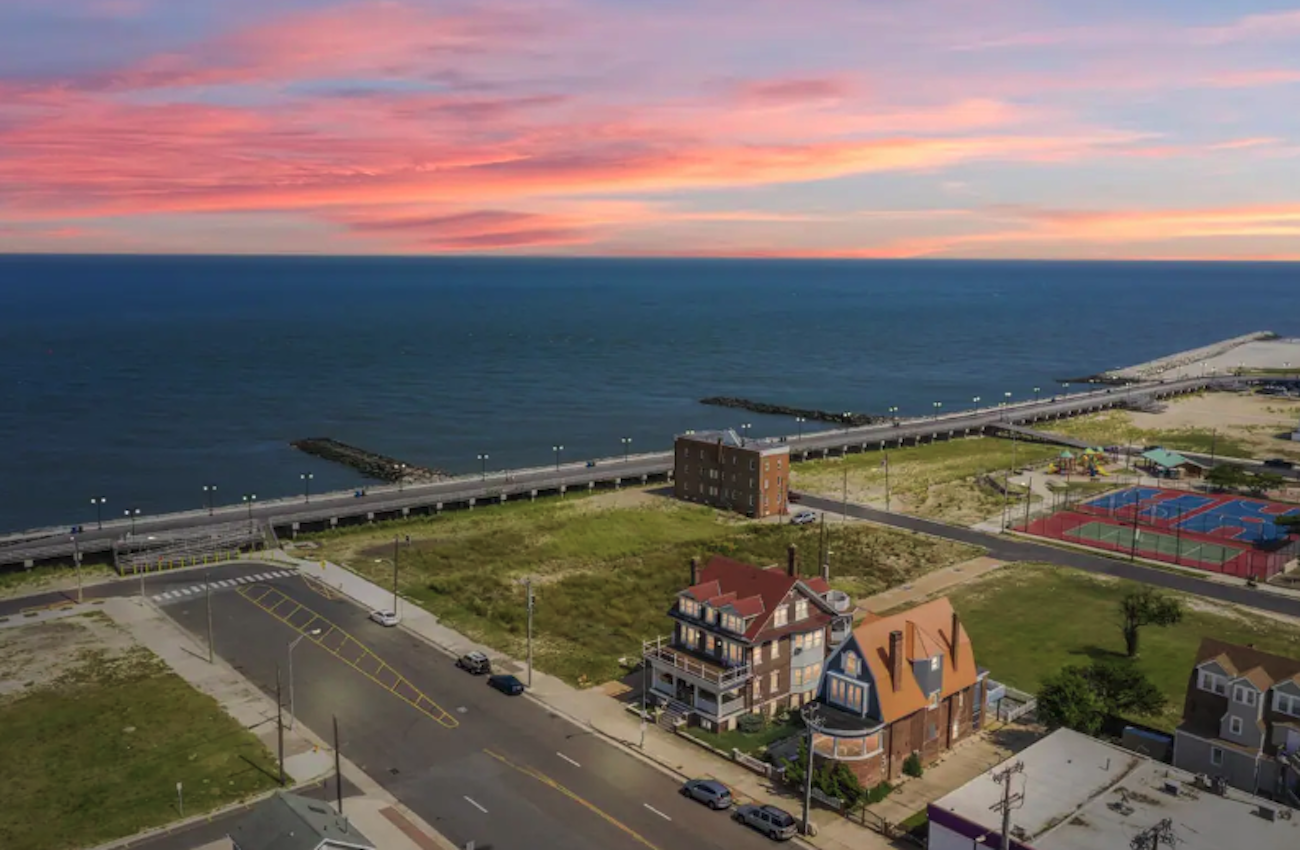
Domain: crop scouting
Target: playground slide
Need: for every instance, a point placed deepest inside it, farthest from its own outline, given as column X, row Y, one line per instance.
column 1101, row 470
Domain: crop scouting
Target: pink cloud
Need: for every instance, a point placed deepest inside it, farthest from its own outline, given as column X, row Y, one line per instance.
column 794, row 90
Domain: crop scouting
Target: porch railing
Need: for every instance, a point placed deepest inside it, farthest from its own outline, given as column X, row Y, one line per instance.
column 722, row 677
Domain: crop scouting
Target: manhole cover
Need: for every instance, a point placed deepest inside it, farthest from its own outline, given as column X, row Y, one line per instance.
column 394, row 771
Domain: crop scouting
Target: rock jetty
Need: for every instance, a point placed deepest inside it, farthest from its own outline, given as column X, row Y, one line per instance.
column 372, row 465
column 852, row 419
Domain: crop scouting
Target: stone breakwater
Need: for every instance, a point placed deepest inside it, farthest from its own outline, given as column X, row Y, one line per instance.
column 370, row 464
column 851, row 419
column 1154, row 368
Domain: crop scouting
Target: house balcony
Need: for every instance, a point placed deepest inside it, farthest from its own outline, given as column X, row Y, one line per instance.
column 716, row 674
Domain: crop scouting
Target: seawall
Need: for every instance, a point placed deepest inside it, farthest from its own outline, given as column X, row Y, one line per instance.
column 368, row 463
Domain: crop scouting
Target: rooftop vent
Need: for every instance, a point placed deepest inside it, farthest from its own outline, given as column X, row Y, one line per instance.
column 1267, row 813
column 1171, row 787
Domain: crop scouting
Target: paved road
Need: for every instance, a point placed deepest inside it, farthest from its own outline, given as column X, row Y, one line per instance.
column 56, row 542
column 509, row 775
column 1013, row 549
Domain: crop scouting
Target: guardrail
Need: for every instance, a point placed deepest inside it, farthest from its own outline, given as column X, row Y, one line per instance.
column 724, row 678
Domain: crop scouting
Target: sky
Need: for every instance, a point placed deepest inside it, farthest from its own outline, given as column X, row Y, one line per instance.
column 1044, row 129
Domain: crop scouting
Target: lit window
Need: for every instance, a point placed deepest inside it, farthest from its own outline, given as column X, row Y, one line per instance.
column 1216, row 756
column 709, row 614
column 796, row 678
column 773, row 682
column 780, row 618
column 776, row 650
column 690, row 636
column 852, row 664
column 817, row 639
column 1234, row 725
column 801, row 609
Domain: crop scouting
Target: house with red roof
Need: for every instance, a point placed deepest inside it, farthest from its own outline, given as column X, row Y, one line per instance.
column 899, row 685
column 746, row 639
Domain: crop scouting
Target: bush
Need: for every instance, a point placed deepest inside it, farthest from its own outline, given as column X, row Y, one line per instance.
column 912, row 766
column 878, row 792
column 752, row 723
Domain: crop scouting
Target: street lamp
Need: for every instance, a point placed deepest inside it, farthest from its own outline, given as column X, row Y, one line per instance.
column 132, row 513
column 799, row 420
column 893, row 411
column 249, row 498
column 937, row 406
column 744, row 432
column 209, row 493
column 1066, row 386
column 293, row 713
column 1037, row 390
column 976, row 401
column 306, row 485
column 482, row 462
column 401, row 476
column 627, row 447
column 557, row 449
column 1008, row 397
column 99, row 510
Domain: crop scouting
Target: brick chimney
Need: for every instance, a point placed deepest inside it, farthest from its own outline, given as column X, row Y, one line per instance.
column 896, row 659
column 695, row 572
column 955, row 631
column 792, row 561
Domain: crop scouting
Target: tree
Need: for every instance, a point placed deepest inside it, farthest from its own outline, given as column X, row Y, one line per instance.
column 912, row 766
column 1262, row 482
column 1226, row 476
column 1146, row 607
column 1068, row 699
column 1081, row 698
column 1289, row 523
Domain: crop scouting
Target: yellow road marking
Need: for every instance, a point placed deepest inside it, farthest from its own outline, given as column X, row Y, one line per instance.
column 271, row 599
column 546, row 780
column 318, row 587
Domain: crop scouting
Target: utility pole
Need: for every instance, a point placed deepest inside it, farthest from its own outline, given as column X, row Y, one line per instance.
column 1214, row 444
column 395, row 548
column 1152, row 837
column 528, row 589
column 76, row 563
column 279, row 721
column 645, row 680
column 844, row 517
column 1028, row 492
column 809, row 719
column 207, row 590
column 885, row 464
column 821, row 542
column 1009, row 801
column 338, row 774
column 1137, row 512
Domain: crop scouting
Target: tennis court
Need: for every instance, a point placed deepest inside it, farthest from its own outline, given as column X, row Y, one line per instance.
column 1154, row 543
column 1227, row 517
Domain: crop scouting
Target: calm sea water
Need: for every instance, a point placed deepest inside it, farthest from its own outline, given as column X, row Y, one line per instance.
column 141, row 379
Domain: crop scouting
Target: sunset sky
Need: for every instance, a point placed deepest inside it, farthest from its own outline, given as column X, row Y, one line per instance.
column 1162, row 129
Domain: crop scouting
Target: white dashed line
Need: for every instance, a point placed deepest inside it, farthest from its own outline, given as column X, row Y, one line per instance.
column 569, row 760
column 656, row 811
column 156, row 597
column 476, row 805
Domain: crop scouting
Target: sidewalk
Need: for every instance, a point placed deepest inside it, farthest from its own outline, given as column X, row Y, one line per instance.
column 929, row 584
column 593, row 709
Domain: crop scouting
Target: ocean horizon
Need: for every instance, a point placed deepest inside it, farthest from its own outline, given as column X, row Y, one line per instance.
column 143, row 378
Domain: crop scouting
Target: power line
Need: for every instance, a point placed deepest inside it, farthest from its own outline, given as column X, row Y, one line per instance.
column 1009, row 800
column 1156, row 836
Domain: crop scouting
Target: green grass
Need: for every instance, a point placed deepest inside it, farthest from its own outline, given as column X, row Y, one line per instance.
column 23, row 581
column 74, row 776
column 1028, row 621
column 1114, row 427
column 938, row 480
column 754, row 744
column 604, row 572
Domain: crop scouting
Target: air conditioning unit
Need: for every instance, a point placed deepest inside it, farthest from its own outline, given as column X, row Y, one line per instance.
column 1267, row 813
column 1171, row 787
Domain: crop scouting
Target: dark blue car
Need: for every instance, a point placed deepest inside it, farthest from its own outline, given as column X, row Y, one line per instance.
column 506, row 684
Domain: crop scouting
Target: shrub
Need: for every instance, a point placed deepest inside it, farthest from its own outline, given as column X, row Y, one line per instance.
column 878, row 792
column 912, row 766
column 751, row 723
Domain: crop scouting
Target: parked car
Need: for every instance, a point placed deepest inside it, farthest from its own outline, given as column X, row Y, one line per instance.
column 506, row 684
column 475, row 662
column 794, row 497
column 385, row 618
column 710, row 792
column 1279, row 463
column 776, row 824
column 803, row 518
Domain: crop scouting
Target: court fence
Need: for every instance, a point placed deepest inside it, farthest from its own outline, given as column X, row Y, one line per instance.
column 1164, row 540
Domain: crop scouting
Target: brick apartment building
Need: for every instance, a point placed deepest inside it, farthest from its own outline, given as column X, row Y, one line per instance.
column 746, row 639
column 725, row 470
column 899, row 685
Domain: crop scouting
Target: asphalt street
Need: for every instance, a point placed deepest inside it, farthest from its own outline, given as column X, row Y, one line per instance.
column 1013, row 549
column 510, row 774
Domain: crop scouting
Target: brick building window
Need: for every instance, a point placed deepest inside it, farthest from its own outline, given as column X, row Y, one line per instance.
column 852, row 664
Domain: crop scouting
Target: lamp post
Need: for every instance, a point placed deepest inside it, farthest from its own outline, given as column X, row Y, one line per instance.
column 293, row 713
column 482, row 463
column 937, row 406
column 76, row 562
column 401, row 476
column 1037, row 390
column 1065, row 385
column 306, row 486
column 810, row 720
column 99, row 510
column 209, row 493
column 132, row 513
column 1008, row 397
column 744, row 432
column 627, row 447
column 395, row 548
column 976, row 401
column 557, row 449
column 249, row 498
column 799, row 420
column 893, row 412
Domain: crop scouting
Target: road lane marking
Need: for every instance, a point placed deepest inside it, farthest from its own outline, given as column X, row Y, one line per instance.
column 349, row 650
column 546, row 780
column 656, row 811
column 569, row 760
column 476, row 805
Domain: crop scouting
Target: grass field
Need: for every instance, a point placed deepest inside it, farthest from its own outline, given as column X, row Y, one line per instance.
column 750, row 743
column 605, row 568
column 95, row 754
column 1115, row 427
column 21, row 582
column 936, row 480
column 1027, row 621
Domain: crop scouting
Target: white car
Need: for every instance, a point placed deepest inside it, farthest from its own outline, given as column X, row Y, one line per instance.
column 385, row 618
column 803, row 518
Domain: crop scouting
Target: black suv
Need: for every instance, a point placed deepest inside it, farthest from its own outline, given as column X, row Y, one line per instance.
column 1279, row 463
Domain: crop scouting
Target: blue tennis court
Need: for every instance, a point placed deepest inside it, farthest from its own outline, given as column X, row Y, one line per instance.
column 1240, row 519
column 1177, row 507
column 1124, row 498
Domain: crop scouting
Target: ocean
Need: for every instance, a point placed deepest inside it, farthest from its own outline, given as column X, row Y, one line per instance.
column 141, row 379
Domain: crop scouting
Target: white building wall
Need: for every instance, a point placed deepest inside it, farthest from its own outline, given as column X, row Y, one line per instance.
column 942, row 838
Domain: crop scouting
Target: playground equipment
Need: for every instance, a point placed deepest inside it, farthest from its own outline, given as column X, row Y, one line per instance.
column 1086, row 463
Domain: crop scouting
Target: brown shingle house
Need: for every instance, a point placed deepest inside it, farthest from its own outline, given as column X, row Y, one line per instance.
column 1241, row 720
column 899, row 685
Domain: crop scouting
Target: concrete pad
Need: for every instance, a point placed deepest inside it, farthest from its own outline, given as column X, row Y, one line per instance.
column 309, row 765
column 392, row 827
column 930, row 584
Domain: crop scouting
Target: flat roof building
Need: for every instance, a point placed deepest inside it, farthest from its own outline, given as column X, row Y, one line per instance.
column 1085, row 794
column 735, row 473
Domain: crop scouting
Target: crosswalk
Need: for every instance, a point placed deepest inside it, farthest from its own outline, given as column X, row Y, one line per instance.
column 198, row 589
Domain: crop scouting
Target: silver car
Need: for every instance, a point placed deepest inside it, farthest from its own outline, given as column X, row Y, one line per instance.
column 776, row 824
column 710, row 792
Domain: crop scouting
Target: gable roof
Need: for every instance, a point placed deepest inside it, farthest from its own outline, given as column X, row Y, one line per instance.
column 1261, row 669
column 752, row 591
column 292, row 822
column 1167, row 459
column 927, row 631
